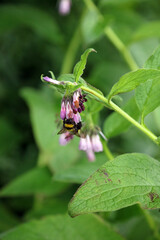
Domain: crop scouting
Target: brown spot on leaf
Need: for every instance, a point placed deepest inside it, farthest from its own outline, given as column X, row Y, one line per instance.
column 109, row 180
column 105, row 173
column 153, row 196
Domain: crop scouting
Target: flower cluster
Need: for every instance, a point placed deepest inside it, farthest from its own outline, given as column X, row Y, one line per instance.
column 72, row 106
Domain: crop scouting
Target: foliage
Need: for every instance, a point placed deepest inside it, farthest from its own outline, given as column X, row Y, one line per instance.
column 120, row 195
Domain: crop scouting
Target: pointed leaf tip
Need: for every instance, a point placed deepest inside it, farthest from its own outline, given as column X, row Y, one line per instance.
column 80, row 66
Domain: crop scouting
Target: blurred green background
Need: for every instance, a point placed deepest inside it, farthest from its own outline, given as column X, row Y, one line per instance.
column 37, row 176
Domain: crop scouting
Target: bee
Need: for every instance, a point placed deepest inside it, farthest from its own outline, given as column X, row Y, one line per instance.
column 69, row 125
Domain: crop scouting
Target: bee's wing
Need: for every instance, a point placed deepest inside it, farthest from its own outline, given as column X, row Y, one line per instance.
column 63, row 130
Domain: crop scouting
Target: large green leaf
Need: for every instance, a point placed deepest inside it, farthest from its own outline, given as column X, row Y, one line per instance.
column 43, row 117
column 154, row 60
column 147, row 96
column 127, row 180
column 115, row 124
column 62, row 227
column 131, row 80
column 80, row 66
column 38, row 180
column 13, row 16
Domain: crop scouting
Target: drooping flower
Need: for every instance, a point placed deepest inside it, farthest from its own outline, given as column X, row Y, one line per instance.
column 90, row 144
column 64, row 7
column 65, row 138
column 63, row 110
column 72, row 106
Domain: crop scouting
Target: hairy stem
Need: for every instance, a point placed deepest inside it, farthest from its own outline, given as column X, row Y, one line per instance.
column 113, row 37
column 107, row 103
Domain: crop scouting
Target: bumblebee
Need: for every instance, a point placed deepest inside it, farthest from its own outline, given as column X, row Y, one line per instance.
column 69, row 125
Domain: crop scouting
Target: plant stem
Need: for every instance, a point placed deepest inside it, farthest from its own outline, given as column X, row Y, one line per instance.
column 113, row 37
column 151, row 223
column 122, row 113
column 134, row 122
column 107, row 151
column 71, row 52
column 121, row 47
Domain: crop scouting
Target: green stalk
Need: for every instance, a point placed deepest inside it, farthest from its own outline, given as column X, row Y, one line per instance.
column 116, row 41
column 134, row 122
column 71, row 52
column 107, row 151
column 151, row 223
column 107, row 103
column 113, row 37
column 74, row 44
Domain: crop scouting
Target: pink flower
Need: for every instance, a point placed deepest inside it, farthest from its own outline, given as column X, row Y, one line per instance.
column 90, row 155
column 83, row 144
column 55, row 82
column 69, row 110
column 91, row 144
column 76, row 99
column 96, row 143
column 64, row 7
column 77, row 118
column 65, row 138
column 63, row 110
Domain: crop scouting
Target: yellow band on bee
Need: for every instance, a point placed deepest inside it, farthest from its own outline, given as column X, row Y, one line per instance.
column 69, row 125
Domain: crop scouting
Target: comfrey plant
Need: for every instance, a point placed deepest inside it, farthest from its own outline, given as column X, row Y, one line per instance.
column 72, row 105
column 130, row 178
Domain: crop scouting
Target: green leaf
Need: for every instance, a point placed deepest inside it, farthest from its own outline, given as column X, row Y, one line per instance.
column 95, row 26
column 115, row 124
column 131, row 80
column 127, row 180
column 7, row 219
column 62, row 227
column 81, row 171
column 154, row 60
column 93, row 106
column 119, row 2
column 147, row 30
column 42, row 117
column 147, row 96
column 50, row 206
column 80, row 66
column 36, row 181
column 43, row 24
